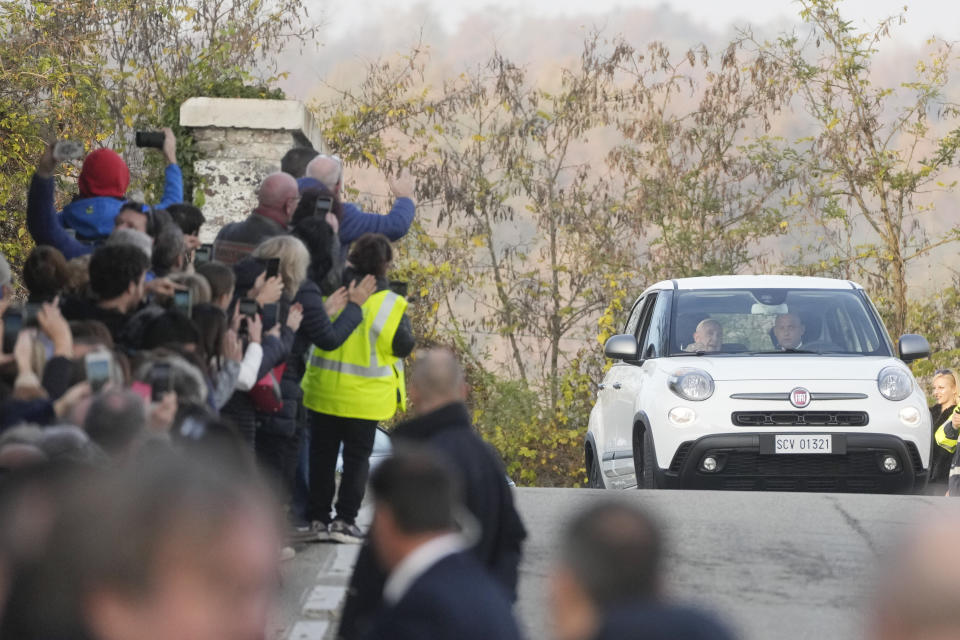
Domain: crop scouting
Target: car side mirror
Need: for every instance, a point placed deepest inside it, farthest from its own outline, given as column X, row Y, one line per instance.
column 622, row 347
column 913, row 347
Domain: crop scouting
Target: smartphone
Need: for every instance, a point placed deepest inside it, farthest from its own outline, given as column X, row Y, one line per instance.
column 150, row 139
column 203, row 254
column 67, row 150
column 273, row 267
column 12, row 324
column 247, row 307
column 30, row 312
column 183, row 301
column 271, row 315
column 324, row 205
column 98, row 365
column 160, row 382
column 399, row 287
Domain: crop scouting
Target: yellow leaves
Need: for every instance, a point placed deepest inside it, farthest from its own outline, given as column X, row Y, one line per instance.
column 478, row 241
column 783, row 225
column 479, row 138
column 371, row 158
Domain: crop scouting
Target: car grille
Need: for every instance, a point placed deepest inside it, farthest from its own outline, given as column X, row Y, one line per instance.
column 747, row 463
column 800, row 418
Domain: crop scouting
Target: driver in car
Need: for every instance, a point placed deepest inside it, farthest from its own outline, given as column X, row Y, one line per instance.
column 789, row 330
column 707, row 337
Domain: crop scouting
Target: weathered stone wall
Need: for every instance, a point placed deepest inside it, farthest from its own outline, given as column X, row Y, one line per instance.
column 241, row 141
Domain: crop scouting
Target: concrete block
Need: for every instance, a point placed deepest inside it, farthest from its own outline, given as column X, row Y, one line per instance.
column 247, row 113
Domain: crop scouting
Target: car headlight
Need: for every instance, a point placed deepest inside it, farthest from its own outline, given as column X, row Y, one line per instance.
column 894, row 383
column 692, row 384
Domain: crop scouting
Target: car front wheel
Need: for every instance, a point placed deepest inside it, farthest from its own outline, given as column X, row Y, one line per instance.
column 594, row 479
column 645, row 462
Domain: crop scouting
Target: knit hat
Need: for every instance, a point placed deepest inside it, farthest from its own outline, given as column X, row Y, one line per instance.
column 104, row 173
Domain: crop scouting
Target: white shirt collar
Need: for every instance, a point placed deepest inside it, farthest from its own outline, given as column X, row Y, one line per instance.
column 417, row 563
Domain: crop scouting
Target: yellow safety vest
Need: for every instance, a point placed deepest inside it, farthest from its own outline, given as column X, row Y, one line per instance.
column 946, row 442
column 361, row 378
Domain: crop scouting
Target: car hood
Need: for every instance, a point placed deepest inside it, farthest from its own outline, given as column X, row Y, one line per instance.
column 795, row 366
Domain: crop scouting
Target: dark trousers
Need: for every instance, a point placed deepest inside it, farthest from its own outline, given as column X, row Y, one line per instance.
column 327, row 433
column 278, row 455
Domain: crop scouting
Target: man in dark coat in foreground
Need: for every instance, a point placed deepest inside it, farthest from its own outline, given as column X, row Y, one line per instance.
column 438, row 390
column 435, row 589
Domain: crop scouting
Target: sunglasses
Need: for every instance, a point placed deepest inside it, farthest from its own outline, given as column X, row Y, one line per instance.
column 943, row 372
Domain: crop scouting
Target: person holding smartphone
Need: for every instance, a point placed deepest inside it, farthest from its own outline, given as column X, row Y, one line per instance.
column 103, row 182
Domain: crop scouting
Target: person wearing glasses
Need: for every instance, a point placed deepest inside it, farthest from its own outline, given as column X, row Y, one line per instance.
column 327, row 171
column 945, row 389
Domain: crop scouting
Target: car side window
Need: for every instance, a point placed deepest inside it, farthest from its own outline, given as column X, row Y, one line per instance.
column 645, row 313
column 633, row 322
column 656, row 328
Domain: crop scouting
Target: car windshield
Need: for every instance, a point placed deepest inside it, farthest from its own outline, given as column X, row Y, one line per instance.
column 763, row 321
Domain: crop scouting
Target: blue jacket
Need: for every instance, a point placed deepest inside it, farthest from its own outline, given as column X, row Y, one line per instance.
column 454, row 599
column 47, row 226
column 357, row 222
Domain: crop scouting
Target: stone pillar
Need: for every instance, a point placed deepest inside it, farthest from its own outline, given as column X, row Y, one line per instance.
column 241, row 141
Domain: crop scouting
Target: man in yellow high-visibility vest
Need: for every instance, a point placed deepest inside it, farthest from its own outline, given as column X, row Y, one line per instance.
column 349, row 390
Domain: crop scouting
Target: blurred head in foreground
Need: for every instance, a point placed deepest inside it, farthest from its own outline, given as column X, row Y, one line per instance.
column 609, row 555
column 173, row 549
column 920, row 593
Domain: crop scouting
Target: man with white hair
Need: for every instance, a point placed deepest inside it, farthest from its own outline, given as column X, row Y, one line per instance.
column 327, row 172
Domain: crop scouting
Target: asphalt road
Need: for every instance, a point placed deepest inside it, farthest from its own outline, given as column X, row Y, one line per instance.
column 773, row 565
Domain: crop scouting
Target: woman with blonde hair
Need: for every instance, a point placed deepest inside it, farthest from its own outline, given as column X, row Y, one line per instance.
column 945, row 390
column 294, row 261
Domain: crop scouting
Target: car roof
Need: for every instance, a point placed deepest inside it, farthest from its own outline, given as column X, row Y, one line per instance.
column 754, row 282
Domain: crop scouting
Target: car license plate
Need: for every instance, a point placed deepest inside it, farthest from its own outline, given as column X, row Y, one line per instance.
column 803, row 444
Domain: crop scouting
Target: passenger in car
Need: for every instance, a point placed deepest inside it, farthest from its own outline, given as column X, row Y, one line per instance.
column 707, row 337
column 789, row 330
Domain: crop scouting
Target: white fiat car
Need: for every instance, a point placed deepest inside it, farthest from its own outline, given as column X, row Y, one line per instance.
column 780, row 383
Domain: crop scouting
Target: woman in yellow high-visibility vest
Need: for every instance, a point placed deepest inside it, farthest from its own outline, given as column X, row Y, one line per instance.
column 945, row 389
column 349, row 390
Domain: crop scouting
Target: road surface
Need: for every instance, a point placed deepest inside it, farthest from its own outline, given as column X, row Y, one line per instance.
column 773, row 565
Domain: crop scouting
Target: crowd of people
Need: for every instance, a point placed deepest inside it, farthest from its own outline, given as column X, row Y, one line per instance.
column 175, row 417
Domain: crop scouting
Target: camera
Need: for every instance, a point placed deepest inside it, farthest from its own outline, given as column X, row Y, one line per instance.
column 16, row 319
column 67, row 150
column 150, row 139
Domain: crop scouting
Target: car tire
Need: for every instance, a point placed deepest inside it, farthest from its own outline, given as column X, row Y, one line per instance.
column 646, row 473
column 594, row 479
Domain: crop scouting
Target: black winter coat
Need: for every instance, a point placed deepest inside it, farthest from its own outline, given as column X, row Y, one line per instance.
column 449, row 432
column 316, row 329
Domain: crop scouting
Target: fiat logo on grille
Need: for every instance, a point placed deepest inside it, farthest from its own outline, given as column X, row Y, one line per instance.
column 800, row 397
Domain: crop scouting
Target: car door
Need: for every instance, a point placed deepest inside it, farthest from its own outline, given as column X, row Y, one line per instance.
column 621, row 386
